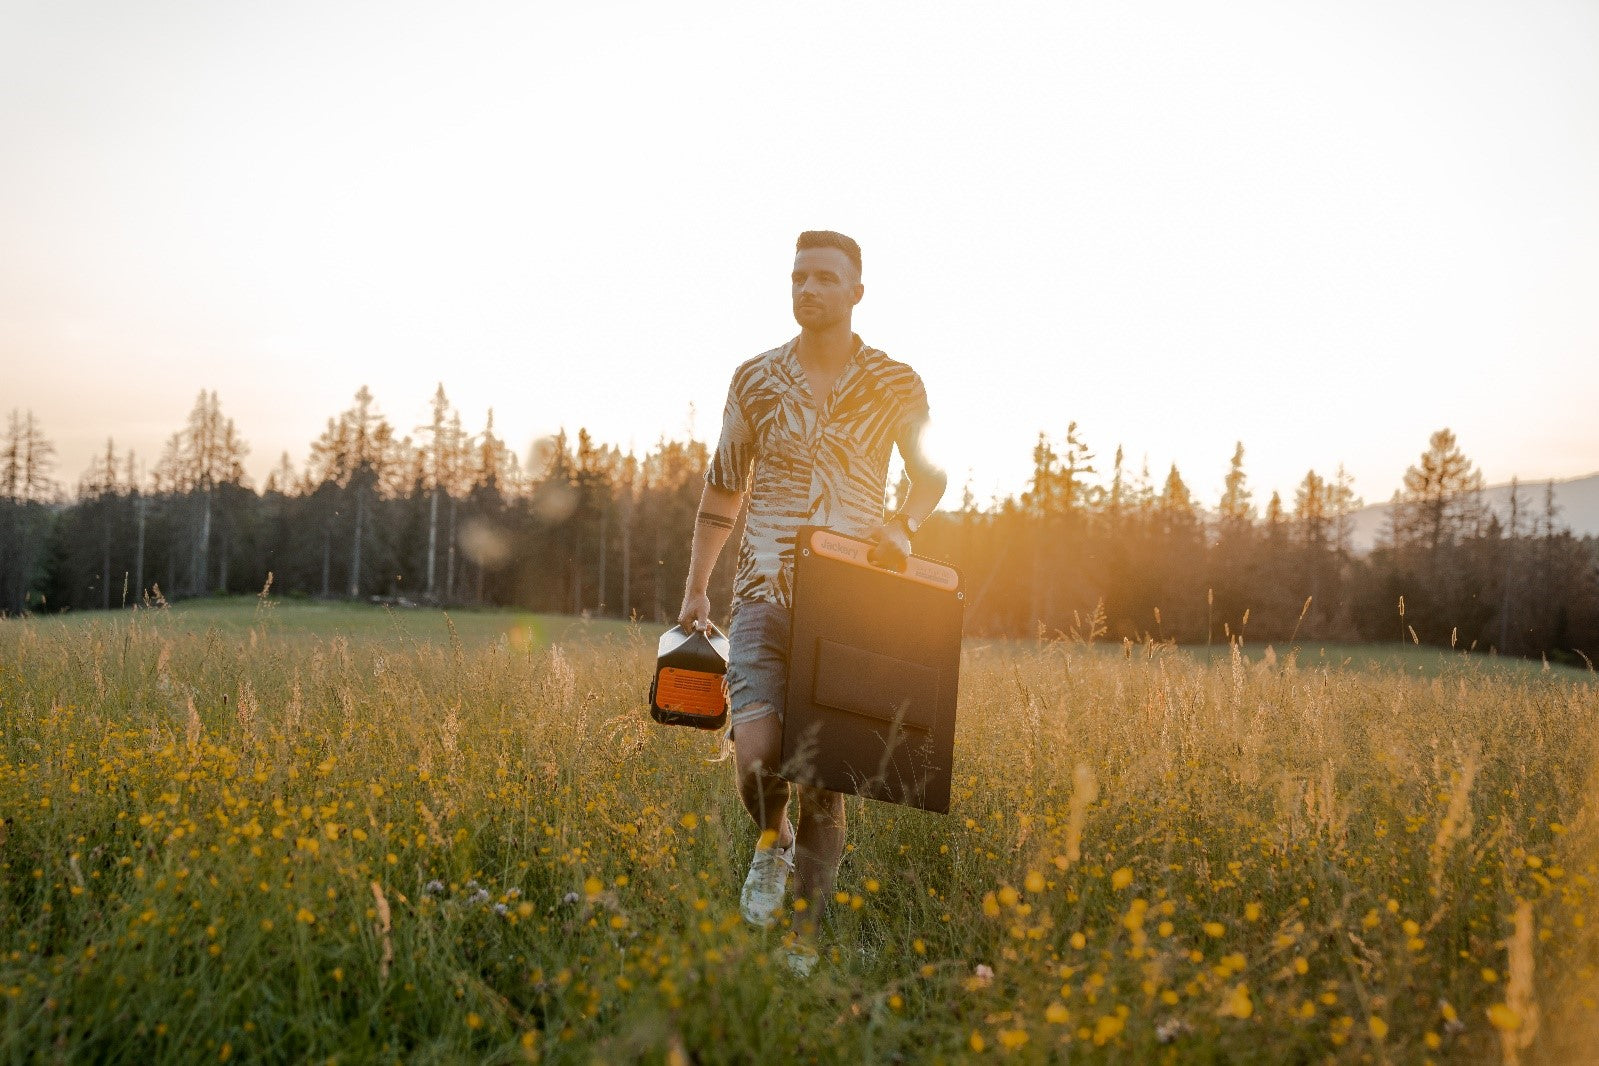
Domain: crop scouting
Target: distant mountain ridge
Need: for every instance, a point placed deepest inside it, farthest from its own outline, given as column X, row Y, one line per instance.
column 1576, row 507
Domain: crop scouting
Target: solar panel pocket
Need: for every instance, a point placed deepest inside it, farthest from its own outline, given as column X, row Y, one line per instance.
column 864, row 682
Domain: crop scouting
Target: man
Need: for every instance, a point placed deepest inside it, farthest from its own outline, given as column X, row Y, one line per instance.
column 805, row 436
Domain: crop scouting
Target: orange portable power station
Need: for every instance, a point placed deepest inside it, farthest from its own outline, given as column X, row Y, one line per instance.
column 690, row 667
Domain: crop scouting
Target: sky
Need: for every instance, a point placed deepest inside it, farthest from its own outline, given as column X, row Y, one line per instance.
column 1324, row 230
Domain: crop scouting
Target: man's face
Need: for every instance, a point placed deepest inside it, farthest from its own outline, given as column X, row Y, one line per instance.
column 826, row 288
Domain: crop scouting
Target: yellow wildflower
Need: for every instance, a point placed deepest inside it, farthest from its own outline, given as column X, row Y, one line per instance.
column 1108, row 1027
column 1504, row 1017
column 1237, row 1004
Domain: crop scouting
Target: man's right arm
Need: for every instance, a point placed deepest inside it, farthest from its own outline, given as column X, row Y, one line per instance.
column 717, row 515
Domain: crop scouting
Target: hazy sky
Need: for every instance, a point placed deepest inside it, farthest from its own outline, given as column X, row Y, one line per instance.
column 1323, row 229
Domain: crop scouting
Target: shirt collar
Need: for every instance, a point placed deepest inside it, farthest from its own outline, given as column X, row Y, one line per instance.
column 791, row 363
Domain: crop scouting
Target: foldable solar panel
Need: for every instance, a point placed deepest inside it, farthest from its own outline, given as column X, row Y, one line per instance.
column 874, row 663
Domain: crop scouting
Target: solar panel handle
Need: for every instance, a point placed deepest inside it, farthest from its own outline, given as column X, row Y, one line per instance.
column 888, row 557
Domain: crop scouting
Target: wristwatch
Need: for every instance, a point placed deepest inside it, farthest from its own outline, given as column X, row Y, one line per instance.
column 910, row 524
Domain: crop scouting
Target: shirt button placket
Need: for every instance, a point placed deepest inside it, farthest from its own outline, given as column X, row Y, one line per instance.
column 816, row 447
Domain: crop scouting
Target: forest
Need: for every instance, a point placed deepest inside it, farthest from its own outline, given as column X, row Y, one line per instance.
column 1093, row 549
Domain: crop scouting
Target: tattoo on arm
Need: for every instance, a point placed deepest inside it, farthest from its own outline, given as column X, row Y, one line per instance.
column 717, row 520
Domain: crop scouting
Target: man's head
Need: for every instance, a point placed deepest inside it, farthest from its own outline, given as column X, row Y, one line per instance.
column 826, row 280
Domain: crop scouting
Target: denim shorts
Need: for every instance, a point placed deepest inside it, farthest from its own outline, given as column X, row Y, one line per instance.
column 757, row 666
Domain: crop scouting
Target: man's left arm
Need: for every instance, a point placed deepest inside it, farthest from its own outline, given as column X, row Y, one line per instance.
column 927, row 483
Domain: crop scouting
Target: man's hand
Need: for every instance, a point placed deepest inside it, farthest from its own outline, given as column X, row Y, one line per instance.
column 891, row 546
column 696, row 611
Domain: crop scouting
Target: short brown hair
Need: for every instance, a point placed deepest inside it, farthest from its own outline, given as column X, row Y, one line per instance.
column 826, row 238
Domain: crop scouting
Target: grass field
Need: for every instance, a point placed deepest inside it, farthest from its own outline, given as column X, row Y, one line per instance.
column 312, row 620
column 304, row 831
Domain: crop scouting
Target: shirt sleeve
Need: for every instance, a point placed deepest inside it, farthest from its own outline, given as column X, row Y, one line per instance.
column 914, row 417
column 730, row 463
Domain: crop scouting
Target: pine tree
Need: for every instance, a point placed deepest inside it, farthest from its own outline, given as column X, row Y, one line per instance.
column 26, row 459
column 1236, row 507
column 206, row 454
column 1175, row 505
column 354, row 461
column 1234, row 547
column 99, row 491
column 437, row 452
column 1440, row 501
column 1116, row 498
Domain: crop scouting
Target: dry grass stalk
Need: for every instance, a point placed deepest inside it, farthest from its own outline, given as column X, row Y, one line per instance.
column 1573, row 1013
column 561, row 680
column 1517, row 1017
column 448, row 732
column 192, row 726
column 247, row 705
column 383, row 927
column 1085, row 791
column 1455, row 826
column 435, row 833
column 292, row 712
column 1321, row 805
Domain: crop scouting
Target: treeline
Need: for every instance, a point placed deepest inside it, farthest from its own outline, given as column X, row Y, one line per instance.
column 445, row 516
column 1129, row 559
column 1093, row 549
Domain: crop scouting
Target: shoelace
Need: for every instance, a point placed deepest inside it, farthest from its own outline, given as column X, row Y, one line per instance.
column 765, row 860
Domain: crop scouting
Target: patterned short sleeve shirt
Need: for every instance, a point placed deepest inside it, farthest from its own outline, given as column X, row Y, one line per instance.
column 809, row 462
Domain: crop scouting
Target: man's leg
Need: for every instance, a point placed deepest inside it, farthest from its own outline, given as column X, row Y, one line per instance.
column 821, row 847
column 757, row 749
column 756, row 679
column 765, row 796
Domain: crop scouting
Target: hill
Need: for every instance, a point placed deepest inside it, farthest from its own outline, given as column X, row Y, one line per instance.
column 1576, row 507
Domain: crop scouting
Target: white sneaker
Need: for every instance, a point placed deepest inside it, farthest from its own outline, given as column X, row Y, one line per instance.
column 763, row 888
column 801, row 959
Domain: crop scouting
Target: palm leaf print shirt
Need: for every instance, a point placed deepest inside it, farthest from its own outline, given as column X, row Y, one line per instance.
column 810, row 462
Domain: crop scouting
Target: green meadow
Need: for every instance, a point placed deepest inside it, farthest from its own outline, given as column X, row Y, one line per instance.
column 290, row 830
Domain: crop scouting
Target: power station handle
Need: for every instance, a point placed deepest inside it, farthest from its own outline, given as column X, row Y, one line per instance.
column 710, row 627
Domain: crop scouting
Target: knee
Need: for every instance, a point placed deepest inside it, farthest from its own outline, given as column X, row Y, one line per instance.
column 822, row 806
column 759, row 746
